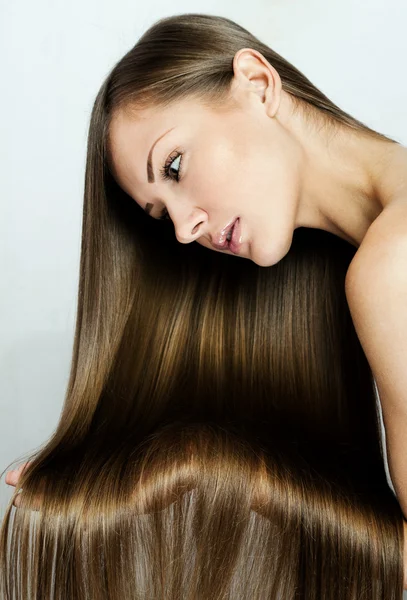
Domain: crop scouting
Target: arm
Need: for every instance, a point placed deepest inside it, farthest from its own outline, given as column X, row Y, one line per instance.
column 376, row 290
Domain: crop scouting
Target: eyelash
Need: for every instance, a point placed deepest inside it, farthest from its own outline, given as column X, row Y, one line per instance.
column 165, row 175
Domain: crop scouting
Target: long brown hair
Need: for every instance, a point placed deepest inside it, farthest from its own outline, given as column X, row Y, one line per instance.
column 220, row 434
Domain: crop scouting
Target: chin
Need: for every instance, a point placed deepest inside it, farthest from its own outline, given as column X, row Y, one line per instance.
column 269, row 260
column 264, row 259
column 264, row 262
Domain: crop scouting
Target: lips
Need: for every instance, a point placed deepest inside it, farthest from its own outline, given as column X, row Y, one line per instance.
column 220, row 241
column 229, row 233
column 235, row 243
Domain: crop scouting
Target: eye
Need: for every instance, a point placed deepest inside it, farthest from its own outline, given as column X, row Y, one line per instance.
column 165, row 169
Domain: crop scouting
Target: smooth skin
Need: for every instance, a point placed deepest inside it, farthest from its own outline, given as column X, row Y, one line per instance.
column 258, row 160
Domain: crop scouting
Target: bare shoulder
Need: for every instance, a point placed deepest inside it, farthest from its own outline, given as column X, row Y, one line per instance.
column 383, row 251
column 376, row 292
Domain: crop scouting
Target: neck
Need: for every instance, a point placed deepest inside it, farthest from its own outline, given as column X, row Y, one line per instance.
column 348, row 177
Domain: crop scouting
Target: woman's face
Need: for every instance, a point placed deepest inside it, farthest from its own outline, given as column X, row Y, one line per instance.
column 222, row 164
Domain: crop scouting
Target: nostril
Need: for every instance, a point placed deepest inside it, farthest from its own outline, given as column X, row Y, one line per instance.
column 195, row 229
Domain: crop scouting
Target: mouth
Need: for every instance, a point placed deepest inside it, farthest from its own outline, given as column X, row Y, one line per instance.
column 232, row 241
column 235, row 239
column 230, row 231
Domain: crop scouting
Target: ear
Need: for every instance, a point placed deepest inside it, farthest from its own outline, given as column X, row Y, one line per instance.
column 255, row 77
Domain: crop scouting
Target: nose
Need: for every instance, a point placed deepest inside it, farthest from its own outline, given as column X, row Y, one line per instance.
column 188, row 230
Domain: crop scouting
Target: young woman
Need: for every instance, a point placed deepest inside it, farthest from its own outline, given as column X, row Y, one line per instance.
column 220, row 436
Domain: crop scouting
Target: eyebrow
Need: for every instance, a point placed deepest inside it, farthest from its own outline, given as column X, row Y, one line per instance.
column 150, row 171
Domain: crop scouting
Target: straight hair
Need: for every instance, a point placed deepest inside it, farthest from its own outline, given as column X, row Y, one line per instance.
column 220, row 433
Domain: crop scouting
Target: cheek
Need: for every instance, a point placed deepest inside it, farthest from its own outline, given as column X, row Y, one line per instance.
column 241, row 174
column 222, row 174
column 213, row 185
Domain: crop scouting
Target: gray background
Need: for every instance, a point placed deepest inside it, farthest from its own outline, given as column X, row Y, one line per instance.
column 54, row 56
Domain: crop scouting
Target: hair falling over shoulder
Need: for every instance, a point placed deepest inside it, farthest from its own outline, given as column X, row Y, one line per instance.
column 220, row 435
